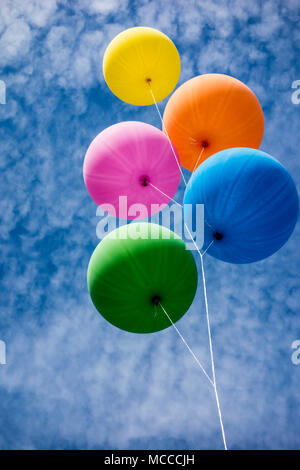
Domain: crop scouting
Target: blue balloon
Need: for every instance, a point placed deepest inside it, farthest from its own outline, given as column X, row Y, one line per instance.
column 250, row 204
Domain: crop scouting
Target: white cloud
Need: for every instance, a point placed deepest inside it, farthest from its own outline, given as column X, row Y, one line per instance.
column 15, row 42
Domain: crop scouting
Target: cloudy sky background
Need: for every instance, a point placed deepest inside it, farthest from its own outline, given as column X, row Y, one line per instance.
column 71, row 379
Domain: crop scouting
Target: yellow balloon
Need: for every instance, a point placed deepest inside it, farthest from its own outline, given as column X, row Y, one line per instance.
column 140, row 58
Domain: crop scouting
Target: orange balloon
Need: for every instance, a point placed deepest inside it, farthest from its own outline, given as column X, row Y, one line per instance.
column 210, row 113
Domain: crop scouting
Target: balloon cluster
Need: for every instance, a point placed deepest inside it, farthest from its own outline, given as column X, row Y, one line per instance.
column 212, row 125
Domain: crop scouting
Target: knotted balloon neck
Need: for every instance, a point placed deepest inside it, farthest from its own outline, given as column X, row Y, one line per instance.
column 144, row 180
column 217, row 236
column 155, row 300
column 204, row 144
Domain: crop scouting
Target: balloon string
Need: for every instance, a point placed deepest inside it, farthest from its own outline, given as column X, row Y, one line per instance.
column 208, row 247
column 166, row 132
column 210, row 339
column 199, row 158
column 171, row 199
column 212, row 354
column 188, row 347
column 180, row 205
column 213, row 382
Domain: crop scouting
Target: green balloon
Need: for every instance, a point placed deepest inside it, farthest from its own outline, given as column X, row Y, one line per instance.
column 136, row 269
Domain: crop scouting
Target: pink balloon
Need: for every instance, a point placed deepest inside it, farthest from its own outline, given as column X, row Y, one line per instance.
column 122, row 162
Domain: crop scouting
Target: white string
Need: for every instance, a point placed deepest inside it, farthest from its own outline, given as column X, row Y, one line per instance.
column 199, row 158
column 166, row 132
column 197, row 248
column 208, row 247
column 212, row 355
column 171, row 199
column 213, row 382
column 190, row 350
column 210, row 339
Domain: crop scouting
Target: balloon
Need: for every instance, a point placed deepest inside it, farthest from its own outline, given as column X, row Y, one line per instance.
column 139, row 57
column 210, row 113
column 136, row 268
column 124, row 160
column 250, row 204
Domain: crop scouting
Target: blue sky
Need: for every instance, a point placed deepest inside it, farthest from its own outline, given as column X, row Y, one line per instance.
column 71, row 379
